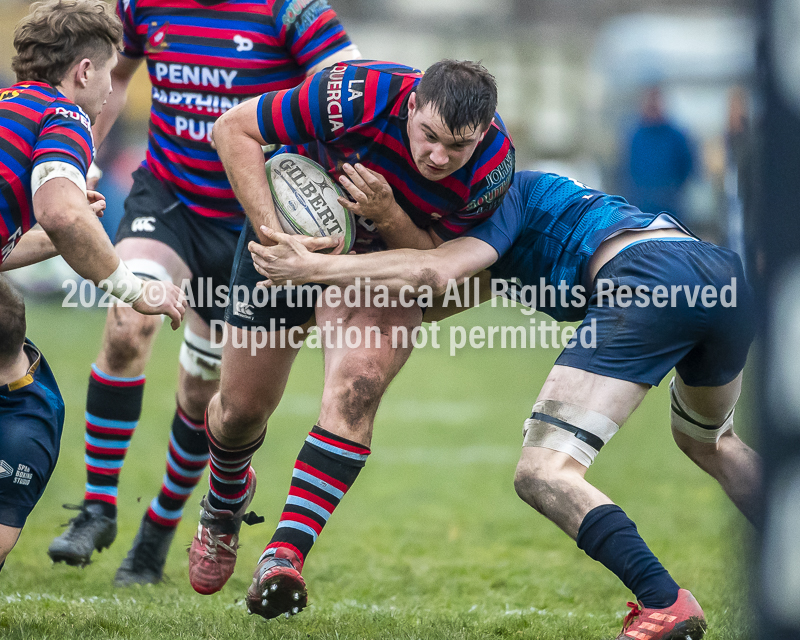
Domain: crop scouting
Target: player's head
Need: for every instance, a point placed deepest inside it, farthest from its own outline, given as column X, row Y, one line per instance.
column 448, row 115
column 70, row 43
column 12, row 322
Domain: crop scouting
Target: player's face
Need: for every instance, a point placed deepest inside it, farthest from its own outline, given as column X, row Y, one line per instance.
column 98, row 87
column 436, row 150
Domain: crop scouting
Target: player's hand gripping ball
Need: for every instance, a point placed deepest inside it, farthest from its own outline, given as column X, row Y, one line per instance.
column 305, row 199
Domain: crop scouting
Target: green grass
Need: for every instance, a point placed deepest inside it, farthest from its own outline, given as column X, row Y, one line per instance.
column 432, row 542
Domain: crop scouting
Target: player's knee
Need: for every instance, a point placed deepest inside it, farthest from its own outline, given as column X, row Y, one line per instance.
column 194, row 397
column 240, row 418
column 358, row 390
column 536, row 475
column 128, row 336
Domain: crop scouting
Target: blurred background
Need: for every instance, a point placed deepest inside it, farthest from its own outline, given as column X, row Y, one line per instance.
column 590, row 89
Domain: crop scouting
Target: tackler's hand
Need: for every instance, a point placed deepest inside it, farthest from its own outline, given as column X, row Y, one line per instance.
column 291, row 259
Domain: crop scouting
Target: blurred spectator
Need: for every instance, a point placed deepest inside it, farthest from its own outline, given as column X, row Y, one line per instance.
column 659, row 159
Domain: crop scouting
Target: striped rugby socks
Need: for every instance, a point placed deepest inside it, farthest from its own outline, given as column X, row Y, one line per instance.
column 187, row 458
column 113, row 408
column 326, row 468
column 228, row 472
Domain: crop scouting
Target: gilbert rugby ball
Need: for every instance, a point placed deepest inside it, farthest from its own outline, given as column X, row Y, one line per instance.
column 305, row 199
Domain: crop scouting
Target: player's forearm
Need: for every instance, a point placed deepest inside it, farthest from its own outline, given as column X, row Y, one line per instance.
column 35, row 246
column 399, row 232
column 396, row 270
column 74, row 230
column 243, row 159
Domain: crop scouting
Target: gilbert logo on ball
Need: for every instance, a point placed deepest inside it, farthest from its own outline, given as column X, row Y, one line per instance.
column 305, row 198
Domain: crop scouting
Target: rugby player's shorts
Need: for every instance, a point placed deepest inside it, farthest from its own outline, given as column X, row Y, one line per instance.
column 707, row 344
column 31, row 421
column 252, row 307
column 207, row 247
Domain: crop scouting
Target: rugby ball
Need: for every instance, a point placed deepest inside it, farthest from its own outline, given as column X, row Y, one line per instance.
column 305, row 199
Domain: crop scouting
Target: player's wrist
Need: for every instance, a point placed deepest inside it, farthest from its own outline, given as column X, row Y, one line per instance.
column 123, row 284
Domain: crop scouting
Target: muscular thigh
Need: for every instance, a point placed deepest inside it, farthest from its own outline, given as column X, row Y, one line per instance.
column 615, row 399
column 371, row 336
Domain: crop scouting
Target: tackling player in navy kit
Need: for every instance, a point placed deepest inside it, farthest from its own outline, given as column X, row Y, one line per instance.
column 45, row 150
column 181, row 224
column 554, row 232
column 437, row 139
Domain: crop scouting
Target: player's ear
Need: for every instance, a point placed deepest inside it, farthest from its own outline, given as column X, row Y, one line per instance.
column 83, row 71
column 412, row 102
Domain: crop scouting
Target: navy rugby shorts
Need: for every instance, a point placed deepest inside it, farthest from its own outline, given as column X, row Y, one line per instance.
column 706, row 343
column 31, row 422
column 252, row 307
column 207, row 247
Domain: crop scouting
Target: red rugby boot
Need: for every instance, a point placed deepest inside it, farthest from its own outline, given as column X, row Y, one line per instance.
column 684, row 620
column 278, row 587
column 212, row 556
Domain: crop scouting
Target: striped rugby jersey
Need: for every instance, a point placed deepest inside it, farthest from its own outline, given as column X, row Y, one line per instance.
column 358, row 112
column 37, row 124
column 205, row 57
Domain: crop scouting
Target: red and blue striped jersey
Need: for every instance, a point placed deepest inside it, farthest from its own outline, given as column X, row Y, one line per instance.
column 37, row 124
column 358, row 112
column 204, row 58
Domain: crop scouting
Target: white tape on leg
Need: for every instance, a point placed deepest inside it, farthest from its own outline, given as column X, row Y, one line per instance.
column 691, row 423
column 199, row 358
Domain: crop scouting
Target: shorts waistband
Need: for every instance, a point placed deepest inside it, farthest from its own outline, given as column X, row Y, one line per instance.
column 645, row 246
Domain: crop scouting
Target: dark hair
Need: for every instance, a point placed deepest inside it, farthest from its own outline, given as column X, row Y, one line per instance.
column 464, row 94
column 12, row 321
column 57, row 34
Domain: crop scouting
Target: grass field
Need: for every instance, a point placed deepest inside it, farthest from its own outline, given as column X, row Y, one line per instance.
column 432, row 541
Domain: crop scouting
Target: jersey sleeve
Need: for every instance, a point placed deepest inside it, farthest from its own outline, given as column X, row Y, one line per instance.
column 311, row 31
column 325, row 106
column 505, row 225
column 65, row 136
column 132, row 42
column 492, row 178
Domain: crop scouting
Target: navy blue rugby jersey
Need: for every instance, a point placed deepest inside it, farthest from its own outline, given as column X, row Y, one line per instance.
column 547, row 230
column 31, row 409
column 206, row 57
column 37, row 124
column 358, row 112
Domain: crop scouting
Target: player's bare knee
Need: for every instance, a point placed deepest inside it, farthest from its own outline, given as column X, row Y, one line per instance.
column 128, row 336
column 241, row 420
column 194, row 396
column 536, row 476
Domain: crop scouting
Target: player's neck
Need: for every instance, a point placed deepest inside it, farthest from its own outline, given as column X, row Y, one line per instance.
column 16, row 369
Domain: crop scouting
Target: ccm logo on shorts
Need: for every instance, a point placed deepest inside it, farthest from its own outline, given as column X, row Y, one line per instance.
column 146, row 224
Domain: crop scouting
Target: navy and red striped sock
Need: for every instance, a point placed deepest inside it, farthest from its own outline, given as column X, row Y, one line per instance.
column 228, row 472
column 187, row 459
column 113, row 408
column 326, row 468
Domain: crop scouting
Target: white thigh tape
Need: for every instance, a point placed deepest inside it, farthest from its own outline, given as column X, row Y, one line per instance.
column 578, row 432
column 198, row 357
column 691, row 423
column 149, row 269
